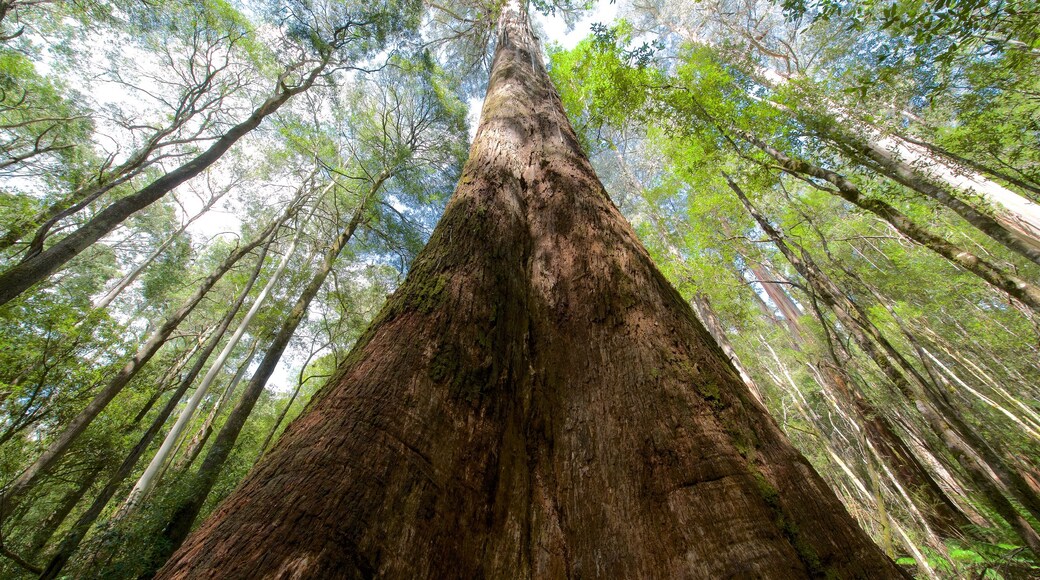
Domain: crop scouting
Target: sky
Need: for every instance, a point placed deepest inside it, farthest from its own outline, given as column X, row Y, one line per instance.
column 555, row 30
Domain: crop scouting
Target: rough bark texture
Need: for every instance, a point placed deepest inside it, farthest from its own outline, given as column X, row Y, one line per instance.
column 535, row 401
column 1015, row 232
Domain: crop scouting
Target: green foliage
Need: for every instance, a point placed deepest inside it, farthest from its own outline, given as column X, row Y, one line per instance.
column 662, row 121
column 980, row 560
column 600, row 70
column 938, row 30
column 677, row 125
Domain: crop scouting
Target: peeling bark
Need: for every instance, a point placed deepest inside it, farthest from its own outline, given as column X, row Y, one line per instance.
column 1000, row 279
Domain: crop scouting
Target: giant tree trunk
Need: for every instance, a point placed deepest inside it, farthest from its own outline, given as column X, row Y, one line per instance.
column 535, row 401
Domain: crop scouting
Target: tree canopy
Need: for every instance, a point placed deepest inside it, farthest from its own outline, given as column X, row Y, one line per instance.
column 203, row 206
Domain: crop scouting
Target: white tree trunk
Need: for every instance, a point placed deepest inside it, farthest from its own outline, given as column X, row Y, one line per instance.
column 149, row 477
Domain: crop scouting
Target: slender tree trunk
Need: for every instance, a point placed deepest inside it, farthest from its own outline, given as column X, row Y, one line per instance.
column 534, row 401
column 942, row 371
column 771, row 283
column 105, row 181
column 70, row 543
column 922, row 562
column 1015, row 222
column 34, row 268
column 202, row 435
column 1016, row 213
column 151, row 473
column 132, row 275
column 288, row 405
column 957, row 164
column 1014, row 286
column 70, row 204
column 875, row 496
column 938, row 511
column 56, row 449
column 185, row 514
column 987, row 472
column 974, row 368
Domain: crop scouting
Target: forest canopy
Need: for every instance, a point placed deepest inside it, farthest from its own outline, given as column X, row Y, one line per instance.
column 209, row 208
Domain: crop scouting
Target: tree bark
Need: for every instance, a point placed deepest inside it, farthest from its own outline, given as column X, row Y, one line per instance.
column 198, row 441
column 1018, row 231
column 535, row 401
column 1012, row 285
